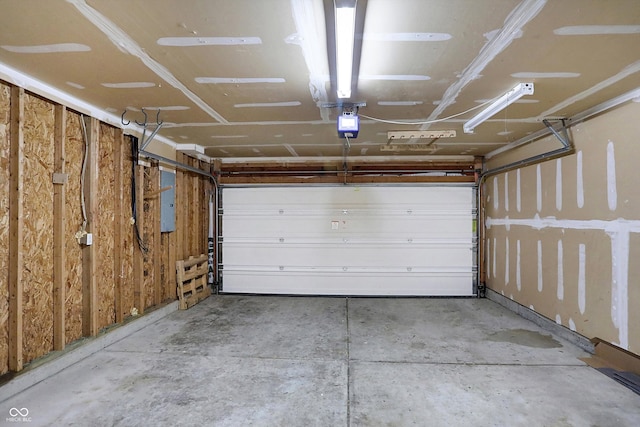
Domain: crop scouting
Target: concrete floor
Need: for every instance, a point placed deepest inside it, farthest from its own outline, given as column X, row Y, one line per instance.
column 294, row 361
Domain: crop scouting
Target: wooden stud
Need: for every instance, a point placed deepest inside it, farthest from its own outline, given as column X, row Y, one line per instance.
column 89, row 259
column 118, row 223
column 195, row 219
column 59, row 271
column 138, row 256
column 156, row 255
column 170, row 266
column 180, row 210
column 16, row 162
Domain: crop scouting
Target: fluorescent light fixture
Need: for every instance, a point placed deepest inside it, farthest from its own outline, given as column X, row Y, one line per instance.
column 498, row 105
column 345, row 35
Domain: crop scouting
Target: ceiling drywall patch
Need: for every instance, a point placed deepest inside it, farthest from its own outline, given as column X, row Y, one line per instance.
column 128, row 85
column 238, row 80
column 399, row 103
column 536, row 75
column 169, row 108
column 269, row 104
column 207, row 41
column 122, row 40
column 229, row 136
column 624, row 73
column 519, row 101
column 398, row 77
column 589, row 30
column 76, row 85
column 48, row 48
column 491, row 34
column 517, row 19
column 311, row 37
column 407, row 37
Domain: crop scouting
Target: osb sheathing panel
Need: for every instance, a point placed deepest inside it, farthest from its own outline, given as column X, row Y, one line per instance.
column 576, row 221
column 104, row 233
column 149, row 206
column 74, row 151
column 128, row 232
column 5, row 104
column 38, row 228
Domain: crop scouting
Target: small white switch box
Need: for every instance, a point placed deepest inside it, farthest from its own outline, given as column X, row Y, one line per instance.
column 335, row 225
column 87, row 239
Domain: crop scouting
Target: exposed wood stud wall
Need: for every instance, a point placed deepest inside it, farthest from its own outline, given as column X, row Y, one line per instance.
column 180, row 205
column 37, row 219
column 138, row 256
column 118, row 225
column 5, row 138
column 104, row 239
column 74, row 152
column 16, row 162
column 59, row 273
column 57, row 290
column 89, row 262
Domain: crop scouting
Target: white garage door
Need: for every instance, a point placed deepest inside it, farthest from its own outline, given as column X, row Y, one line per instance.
column 343, row 240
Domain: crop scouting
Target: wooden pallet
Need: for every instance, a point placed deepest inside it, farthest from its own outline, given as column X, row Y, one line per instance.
column 191, row 275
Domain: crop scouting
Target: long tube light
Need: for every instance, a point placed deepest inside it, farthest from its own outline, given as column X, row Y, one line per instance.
column 345, row 35
column 498, row 105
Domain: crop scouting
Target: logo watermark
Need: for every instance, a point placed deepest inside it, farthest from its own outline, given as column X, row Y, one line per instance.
column 18, row 415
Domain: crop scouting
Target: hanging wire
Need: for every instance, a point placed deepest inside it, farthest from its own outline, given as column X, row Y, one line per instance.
column 134, row 161
column 83, row 173
column 427, row 122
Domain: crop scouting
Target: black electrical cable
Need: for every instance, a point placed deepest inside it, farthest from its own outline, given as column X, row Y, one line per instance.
column 134, row 161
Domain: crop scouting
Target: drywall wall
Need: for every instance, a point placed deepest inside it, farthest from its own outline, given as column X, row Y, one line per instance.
column 561, row 236
column 67, row 292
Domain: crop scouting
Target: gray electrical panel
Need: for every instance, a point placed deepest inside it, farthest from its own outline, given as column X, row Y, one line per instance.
column 168, row 202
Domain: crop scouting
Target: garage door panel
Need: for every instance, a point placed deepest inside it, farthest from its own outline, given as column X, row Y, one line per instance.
column 348, row 240
column 327, row 283
column 321, row 226
column 347, row 255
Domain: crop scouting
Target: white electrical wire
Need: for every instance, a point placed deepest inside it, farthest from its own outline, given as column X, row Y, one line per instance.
column 428, row 122
column 82, row 174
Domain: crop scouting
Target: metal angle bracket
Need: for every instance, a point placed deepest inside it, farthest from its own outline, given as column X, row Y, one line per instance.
column 564, row 137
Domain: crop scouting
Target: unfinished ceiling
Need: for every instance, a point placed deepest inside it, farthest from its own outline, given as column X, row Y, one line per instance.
column 252, row 79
